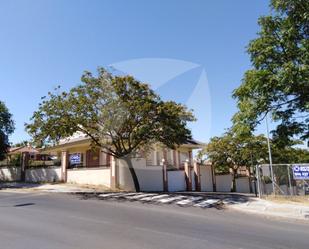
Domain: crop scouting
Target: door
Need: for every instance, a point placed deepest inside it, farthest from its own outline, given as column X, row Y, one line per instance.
column 92, row 158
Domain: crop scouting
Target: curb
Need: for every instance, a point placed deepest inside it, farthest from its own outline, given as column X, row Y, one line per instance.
column 298, row 214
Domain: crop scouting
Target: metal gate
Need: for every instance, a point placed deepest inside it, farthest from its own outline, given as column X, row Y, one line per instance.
column 282, row 179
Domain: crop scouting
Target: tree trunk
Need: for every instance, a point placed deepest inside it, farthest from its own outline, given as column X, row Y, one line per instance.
column 250, row 185
column 234, row 181
column 133, row 173
column 213, row 178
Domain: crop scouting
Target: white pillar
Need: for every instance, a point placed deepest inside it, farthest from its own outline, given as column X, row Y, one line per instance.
column 113, row 179
column 197, row 176
column 165, row 175
column 64, row 165
column 188, row 175
column 155, row 156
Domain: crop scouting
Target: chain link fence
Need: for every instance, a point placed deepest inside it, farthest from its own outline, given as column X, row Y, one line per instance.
column 283, row 179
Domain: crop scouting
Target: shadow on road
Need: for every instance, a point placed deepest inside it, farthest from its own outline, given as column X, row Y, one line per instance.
column 220, row 199
column 24, row 204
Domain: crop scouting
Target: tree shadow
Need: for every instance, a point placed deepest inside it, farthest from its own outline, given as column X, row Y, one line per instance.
column 24, row 204
column 123, row 199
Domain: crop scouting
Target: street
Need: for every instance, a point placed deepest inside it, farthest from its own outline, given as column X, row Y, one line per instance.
column 64, row 221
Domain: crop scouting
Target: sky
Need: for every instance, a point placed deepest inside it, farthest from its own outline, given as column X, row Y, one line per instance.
column 190, row 51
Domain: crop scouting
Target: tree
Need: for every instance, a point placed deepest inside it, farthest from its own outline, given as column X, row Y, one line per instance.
column 120, row 114
column 21, row 144
column 230, row 151
column 6, row 128
column 288, row 154
column 278, row 83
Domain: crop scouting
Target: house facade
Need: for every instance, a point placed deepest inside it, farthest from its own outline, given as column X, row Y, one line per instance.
column 74, row 160
column 82, row 164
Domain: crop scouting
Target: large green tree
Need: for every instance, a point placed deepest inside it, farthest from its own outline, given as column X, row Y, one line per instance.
column 120, row 114
column 278, row 83
column 6, row 128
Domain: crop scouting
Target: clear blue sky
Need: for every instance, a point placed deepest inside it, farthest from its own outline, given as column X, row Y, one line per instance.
column 51, row 42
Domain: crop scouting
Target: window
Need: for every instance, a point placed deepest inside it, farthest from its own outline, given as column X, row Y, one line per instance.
column 184, row 156
column 150, row 158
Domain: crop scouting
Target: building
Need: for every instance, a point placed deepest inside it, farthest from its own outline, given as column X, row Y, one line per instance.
column 83, row 164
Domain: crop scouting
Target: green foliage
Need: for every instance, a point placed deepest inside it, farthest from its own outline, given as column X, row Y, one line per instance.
column 231, row 151
column 6, row 128
column 41, row 163
column 15, row 160
column 119, row 114
column 279, row 80
column 289, row 155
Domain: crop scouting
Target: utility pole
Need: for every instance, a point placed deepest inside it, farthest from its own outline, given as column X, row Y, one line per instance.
column 269, row 155
column 257, row 174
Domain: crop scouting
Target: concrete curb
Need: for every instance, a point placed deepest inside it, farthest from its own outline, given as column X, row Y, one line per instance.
column 267, row 208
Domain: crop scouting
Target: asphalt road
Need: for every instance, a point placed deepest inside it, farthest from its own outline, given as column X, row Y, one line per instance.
column 62, row 221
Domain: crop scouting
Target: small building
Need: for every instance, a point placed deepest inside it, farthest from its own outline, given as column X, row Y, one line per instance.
column 33, row 152
column 13, row 156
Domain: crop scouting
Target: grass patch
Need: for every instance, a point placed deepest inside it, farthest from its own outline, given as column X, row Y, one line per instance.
column 302, row 200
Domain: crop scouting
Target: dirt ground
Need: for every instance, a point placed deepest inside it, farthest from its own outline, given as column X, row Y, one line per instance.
column 302, row 200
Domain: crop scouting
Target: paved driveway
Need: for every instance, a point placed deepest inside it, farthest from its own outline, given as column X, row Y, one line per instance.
column 66, row 221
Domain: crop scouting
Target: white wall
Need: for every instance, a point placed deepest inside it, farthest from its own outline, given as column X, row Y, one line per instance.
column 176, row 180
column 150, row 177
column 206, row 178
column 242, row 185
column 11, row 173
column 50, row 174
column 223, row 183
column 91, row 176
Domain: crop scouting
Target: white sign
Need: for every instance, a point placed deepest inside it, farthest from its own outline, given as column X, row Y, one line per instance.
column 75, row 158
column 301, row 172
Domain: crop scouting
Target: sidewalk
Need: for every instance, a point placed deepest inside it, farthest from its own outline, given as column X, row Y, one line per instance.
column 271, row 208
column 53, row 188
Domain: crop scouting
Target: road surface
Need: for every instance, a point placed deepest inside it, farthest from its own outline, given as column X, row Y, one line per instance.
column 66, row 221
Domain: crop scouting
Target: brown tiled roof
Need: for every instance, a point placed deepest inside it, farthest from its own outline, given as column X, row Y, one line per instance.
column 21, row 149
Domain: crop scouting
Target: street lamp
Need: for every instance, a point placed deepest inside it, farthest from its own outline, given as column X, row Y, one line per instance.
column 257, row 174
column 270, row 156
